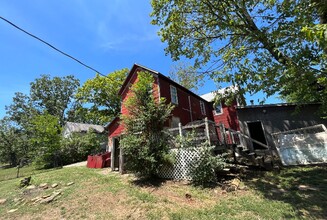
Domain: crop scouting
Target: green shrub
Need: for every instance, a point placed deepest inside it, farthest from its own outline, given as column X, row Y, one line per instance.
column 145, row 143
column 77, row 146
column 205, row 167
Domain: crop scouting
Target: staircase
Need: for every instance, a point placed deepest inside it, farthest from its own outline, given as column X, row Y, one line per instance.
column 236, row 142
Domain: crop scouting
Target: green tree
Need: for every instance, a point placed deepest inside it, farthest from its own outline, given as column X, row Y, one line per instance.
column 186, row 75
column 100, row 95
column 21, row 110
column 54, row 95
column 13, row 143
column 45, row 140
column 51, row 95
column 145, row 143
column 257, row 45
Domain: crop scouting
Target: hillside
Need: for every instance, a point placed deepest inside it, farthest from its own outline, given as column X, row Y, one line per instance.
column 100, row 194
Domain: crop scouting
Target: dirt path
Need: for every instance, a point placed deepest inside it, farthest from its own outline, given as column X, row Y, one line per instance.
column 79, row 164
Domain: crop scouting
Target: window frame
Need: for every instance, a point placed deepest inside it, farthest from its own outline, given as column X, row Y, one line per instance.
column 173, row 95
column 203, row 108
column 221, row 108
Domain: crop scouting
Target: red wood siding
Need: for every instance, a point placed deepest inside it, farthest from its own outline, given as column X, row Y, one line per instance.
column 188, row 108
column 117, row 127
column 228, row 116
column 182, row 109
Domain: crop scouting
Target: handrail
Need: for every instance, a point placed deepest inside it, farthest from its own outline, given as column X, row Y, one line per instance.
column 249, row 138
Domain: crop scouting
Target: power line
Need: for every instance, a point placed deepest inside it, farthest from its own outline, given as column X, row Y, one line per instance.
column 53, row 47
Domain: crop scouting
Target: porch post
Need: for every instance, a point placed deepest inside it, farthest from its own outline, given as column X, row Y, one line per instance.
column 207, row 129
column 112, row 154
column 121, row 160
column 180, row 129
column 223, row 133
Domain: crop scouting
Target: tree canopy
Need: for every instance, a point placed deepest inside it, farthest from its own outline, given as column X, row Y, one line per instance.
column 47, row 95
column 97, row 99
column 273, row 46
column 186, row 75
column 13, row 144
column 44, row 139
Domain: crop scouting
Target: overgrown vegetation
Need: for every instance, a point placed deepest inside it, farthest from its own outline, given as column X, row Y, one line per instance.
column 145, row 143
column 204, row 171
column 206, row 166
column 77, row 146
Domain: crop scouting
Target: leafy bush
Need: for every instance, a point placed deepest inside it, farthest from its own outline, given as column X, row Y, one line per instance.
column 145, row 143
column 204, row 168
column 78, row 146
column 203, row 171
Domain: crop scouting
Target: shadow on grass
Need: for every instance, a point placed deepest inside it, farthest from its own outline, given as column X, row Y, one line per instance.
column 6, row 166
column 149, row 182
column 304, row 188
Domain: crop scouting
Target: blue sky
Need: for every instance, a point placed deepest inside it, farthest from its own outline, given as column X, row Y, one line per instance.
column 107, row 35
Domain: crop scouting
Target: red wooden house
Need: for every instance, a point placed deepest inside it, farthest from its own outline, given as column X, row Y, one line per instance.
column 189, row 107
column 223, row 113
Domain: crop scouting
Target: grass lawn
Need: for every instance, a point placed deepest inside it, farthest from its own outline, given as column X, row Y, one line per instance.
column 11, row 173
column 99, row 194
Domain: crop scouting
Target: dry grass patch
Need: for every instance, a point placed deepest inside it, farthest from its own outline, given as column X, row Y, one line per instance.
column 101, row 194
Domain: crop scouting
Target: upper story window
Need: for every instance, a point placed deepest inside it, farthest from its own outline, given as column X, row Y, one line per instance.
column 173, row 94
column 218, row 109
column 202, row 107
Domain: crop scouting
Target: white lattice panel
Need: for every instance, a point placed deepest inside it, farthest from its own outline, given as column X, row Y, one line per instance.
column 184, row 160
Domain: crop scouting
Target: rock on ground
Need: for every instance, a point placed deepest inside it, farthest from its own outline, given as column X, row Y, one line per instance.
column 3, row 201
column 44, row 185
column 31, row 187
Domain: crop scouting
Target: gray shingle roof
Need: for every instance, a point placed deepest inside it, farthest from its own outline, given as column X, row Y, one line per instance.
column 71, row 127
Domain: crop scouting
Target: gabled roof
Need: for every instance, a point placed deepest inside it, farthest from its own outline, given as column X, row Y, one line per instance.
column 110, row 123
column 130, row 74
column 156, row 73
column 71, row 127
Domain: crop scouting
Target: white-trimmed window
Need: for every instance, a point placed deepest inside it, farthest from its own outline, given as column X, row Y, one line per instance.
column 218, row 109
column 203, row 108
column 173, row 95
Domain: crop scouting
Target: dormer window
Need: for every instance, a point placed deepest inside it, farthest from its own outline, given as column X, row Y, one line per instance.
column 173, row 94
column 218, row 109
